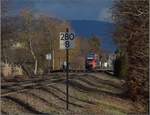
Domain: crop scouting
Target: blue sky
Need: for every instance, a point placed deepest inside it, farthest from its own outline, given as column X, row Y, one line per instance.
column 95, row 10
column 67, row 9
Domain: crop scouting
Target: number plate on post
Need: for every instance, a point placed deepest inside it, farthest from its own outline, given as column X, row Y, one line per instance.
column 66, row 40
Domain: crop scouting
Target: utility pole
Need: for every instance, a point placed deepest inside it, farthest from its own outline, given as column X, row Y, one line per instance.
column 52, row 63
column 53, row 60
column 49, row 64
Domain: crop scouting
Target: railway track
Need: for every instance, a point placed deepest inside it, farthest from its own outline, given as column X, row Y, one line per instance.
column 107, row 71
column 34, row 83
column 38, row 81
column 83, row 71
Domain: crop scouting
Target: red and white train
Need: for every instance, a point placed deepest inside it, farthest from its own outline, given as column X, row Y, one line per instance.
column 91, row 61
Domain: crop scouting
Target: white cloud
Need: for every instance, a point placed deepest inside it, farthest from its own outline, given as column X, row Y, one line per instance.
column 105, row 15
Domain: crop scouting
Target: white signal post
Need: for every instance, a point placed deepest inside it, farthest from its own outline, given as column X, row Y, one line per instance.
column 67, row 42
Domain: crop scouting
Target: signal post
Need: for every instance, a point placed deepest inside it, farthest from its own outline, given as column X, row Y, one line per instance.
column 66, row 43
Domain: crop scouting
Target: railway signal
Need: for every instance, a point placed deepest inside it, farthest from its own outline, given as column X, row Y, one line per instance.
column 67, row 42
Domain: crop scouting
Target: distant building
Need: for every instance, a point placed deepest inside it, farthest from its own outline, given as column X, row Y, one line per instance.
column 107, row 61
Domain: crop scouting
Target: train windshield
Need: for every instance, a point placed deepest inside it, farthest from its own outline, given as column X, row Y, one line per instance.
column 89, row 60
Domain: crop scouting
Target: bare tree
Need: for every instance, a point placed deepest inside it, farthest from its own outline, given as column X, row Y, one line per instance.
column 131, row 17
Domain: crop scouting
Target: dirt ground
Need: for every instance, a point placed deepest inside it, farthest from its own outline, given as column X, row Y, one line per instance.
column 89, row 94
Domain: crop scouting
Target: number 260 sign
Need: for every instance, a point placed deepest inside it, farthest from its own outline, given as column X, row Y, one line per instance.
column 66, row 40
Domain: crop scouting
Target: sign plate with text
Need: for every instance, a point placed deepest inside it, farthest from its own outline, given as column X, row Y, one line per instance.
column 66, row 40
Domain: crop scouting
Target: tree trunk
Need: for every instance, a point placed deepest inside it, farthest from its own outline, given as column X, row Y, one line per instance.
column 34, row 57
column 35, row 66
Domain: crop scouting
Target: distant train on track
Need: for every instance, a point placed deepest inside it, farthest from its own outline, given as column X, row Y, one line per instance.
column 91, row 61
column 94, row 62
